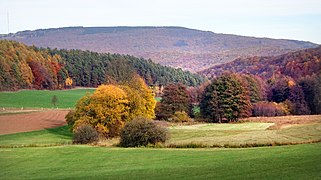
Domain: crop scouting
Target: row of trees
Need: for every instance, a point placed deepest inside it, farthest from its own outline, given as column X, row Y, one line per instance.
column 225, row 99
column 232, row 96
column 30, row 67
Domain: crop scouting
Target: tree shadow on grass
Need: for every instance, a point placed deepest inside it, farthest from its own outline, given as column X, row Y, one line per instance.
column 63, row 131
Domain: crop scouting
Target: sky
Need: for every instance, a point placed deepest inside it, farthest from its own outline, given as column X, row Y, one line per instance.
column 281, row 19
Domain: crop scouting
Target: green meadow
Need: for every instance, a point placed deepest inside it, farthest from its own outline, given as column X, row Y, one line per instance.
column 49, row 153
column 88, row 162
column 42, row 98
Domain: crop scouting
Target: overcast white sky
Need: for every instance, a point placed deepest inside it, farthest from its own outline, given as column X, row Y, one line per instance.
column 287, row 19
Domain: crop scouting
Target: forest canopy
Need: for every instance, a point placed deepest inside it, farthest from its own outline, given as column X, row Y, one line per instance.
column 27, row 67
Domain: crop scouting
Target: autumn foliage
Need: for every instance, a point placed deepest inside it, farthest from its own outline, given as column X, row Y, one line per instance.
column 25, row 67
column 111, row 106
column 175, row 98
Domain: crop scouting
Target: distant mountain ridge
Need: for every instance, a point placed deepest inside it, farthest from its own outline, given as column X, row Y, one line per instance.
column 179, row 47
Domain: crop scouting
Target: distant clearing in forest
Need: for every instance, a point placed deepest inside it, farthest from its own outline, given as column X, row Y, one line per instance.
column 42, row 98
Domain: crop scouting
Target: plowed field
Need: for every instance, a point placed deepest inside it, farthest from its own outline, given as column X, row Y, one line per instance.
column 15, row 123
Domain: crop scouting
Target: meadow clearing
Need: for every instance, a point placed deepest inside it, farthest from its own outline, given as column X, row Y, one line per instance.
column 49, row 154
column 42, row 98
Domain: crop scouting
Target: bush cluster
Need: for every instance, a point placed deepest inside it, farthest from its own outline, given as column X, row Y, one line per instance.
column 141, row 132
column 180, row 116
column 85, row 134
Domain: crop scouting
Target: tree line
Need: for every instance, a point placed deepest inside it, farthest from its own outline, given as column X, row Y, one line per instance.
column 231, row 96
column 27, row 67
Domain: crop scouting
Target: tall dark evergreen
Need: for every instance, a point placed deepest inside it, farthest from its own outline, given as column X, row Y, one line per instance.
column 92, row 69
column 225, row 99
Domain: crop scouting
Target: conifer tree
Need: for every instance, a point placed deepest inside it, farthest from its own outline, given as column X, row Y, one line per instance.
column 225, row 99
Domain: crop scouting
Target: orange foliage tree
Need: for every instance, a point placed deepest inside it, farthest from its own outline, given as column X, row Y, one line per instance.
column 110, row 106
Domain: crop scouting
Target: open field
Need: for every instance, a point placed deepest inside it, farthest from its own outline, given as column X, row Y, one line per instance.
column 64, row 161
column 31, row 121
column 305, row 129
column 46, row 137
column 266, row 130
column 41, row 98
column 87, row 162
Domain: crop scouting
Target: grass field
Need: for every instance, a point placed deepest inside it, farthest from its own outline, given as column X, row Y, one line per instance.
column 244, row 133
column 59, row 135
column 41, row 98
column 206, row 134
column 86, row 162
column 92, row 162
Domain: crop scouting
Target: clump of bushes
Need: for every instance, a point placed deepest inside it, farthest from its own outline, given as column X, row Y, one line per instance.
column 85, row 134
column 142, row 132
column 270, row 109
column 180, row 116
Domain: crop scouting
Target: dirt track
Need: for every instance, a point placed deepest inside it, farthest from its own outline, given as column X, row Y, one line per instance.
column 31, row 121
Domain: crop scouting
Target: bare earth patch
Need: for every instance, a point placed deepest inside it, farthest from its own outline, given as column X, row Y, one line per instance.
column 32, row 121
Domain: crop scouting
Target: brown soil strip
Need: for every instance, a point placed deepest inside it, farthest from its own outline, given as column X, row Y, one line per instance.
column 15, row 123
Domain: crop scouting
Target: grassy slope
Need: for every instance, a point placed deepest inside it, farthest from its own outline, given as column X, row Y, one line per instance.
column 285, row 162
column 42, row 98
column 60, row 135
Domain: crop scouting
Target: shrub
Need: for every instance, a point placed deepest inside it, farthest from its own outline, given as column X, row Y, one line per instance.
column 270, row 109
column 141, row 132
column 180, row 116
column 85, row 134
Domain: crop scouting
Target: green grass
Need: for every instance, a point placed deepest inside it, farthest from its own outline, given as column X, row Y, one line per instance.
column 85, row 162
column 206, row 134
column 90, row 162
column 41, row 98
column 54, row 136
column 243, row 133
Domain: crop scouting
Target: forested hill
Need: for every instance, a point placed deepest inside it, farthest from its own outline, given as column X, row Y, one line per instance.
column 296, row 65
column 23, row 66
column 179, row 47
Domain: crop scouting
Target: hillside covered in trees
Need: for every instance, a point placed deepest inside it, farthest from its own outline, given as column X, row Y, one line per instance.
column 293, row 80
column 26, row 67
column 296, row 65
column 179, row 47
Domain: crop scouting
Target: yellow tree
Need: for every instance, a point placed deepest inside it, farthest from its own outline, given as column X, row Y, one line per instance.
column 68, row 82
column 106, row 109
column 110, row 106
column 141, row 98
